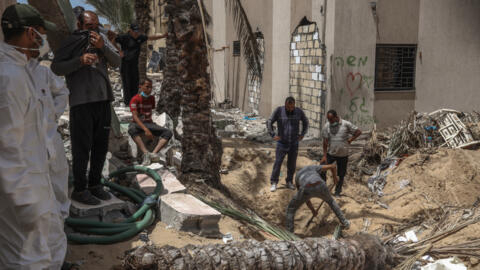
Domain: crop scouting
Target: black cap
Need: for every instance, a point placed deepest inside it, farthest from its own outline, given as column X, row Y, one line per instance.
column 21, row 15
column 134, row 27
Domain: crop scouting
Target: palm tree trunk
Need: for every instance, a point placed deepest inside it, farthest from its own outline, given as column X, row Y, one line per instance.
column 190, row 87
column 171, row 91
column 59, row 12
column 142, row 11
column 361, row 252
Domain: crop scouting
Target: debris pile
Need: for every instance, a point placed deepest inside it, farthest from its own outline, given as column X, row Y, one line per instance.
column 421, row 132
column 233, row 123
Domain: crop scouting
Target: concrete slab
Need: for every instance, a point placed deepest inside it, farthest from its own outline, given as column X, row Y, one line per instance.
column 169, row 181
column 82, row 210
column 186, row 213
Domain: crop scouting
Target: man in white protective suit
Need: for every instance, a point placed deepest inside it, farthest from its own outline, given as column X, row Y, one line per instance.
column 30, row 218
column 55, row 102
column 56, row 98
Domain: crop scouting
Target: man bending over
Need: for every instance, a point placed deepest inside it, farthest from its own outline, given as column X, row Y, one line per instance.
column 310, row 185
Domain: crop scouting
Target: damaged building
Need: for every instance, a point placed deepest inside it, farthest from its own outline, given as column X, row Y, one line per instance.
column 372, row 61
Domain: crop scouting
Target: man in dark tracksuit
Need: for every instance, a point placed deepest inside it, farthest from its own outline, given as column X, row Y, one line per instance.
column 90, row 97
column 288, row 119
column 131, row 45
column 310, row 185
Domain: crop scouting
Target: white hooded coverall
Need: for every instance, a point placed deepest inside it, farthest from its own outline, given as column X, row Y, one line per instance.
column 56, row 101
column 29, row 214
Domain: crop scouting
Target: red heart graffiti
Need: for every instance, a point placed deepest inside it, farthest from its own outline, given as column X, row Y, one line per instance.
column 350, row 79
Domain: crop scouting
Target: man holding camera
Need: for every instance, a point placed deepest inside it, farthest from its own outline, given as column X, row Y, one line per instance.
column 83, row 59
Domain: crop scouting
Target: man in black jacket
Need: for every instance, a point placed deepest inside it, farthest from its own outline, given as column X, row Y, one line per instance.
column 82, row 59
column 288, row 119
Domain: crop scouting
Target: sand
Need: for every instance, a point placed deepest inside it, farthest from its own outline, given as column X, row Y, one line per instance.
column 445, row 182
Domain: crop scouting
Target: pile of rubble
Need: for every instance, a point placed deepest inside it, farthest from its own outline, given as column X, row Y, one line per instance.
column 421, row 132
column 233, row 123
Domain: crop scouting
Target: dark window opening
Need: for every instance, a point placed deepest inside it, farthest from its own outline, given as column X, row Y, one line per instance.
column 236, row 48
column 395, row 67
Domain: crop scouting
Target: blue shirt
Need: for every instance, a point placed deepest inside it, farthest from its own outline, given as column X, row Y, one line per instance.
column 288, row 125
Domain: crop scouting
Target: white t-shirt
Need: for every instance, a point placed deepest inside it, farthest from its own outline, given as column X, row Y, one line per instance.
column 338, row 137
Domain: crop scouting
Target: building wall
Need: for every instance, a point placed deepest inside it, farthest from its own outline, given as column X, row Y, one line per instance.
column 353, row 61
column 448, row 57
column 260, row 15
column 219, row 64
column 3, row 5
column 300, row 9
column 281, row 52
column 397, row 24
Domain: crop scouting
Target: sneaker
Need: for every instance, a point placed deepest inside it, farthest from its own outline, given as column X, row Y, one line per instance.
column 290, row 186
column 273, row 188
column 100, row 193
column 85, row 197
column 146, row 159
column 337, row 194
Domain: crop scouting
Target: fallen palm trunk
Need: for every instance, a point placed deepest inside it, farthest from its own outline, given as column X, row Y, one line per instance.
column 361, row 252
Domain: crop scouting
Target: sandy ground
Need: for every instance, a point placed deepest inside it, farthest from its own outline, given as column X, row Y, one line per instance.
column 105, row 256
column 441, row 184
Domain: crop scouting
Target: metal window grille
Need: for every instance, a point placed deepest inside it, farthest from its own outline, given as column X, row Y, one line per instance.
column 395, row 67
column 236, row 48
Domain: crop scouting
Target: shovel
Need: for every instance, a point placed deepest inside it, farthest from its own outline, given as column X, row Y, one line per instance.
column 318, row 208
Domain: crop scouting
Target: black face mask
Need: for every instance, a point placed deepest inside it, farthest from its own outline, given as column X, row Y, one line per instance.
column 290, row 112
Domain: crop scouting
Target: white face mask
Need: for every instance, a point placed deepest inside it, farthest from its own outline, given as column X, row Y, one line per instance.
column 44, row 46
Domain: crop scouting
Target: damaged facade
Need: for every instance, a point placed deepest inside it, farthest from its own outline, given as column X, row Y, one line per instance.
column 381, row 60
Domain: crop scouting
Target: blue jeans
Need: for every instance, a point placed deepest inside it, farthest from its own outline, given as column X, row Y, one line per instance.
column 285, row 149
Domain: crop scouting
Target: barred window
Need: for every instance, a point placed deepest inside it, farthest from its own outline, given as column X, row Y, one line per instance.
column 395, row 67
column 236, row 48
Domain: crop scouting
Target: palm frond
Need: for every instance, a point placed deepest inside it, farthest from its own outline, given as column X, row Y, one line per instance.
column 251, row 49
column 120, row 13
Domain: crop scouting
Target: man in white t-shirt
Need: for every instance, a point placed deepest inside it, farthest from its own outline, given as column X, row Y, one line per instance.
column 338, row 134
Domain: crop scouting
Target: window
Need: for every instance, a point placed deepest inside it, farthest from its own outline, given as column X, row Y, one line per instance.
column 236, row 48
column 395, row 67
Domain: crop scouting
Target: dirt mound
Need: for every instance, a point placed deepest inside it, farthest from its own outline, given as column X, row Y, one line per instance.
column 248, row 180
column 449, row 177
column 419, row 189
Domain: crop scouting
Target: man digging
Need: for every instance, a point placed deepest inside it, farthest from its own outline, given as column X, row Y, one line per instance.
column 311, row 185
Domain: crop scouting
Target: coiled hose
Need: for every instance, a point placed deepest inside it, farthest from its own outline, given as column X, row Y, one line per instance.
column 109, row 233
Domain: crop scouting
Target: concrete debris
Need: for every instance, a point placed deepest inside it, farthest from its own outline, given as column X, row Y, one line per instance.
column 227, row 238
column 186, row 213
column 78, row 209
column 234, row 122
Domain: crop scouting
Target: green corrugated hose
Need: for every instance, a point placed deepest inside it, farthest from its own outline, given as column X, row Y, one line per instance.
column 109, row 233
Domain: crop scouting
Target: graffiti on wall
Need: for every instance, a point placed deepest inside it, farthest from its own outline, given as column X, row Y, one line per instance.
column 354, row 86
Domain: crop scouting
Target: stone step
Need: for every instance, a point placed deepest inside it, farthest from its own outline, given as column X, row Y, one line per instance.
column 186, row 213
column 169, row 181
column 78, row 209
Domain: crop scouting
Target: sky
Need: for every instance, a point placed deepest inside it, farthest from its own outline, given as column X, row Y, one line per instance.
column 75, row 3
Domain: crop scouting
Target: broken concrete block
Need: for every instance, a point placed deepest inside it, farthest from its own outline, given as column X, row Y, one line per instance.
column 186, row 213
column 82, row 210
column 171, row 183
